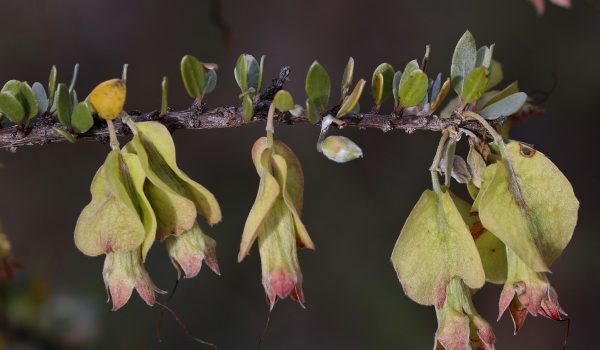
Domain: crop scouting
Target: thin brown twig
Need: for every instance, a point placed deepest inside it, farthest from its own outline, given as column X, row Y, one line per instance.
column 40, row 131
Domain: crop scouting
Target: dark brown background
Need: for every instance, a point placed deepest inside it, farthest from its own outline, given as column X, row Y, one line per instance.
column 353, row 211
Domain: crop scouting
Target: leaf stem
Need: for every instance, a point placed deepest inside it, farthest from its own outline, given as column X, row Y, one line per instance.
column 435, row 180
column 114, row 141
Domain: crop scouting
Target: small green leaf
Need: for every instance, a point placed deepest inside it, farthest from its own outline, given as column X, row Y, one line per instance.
column 505, row 107
column 494, row 97
column 413, row 89
column 29, row 101
column 40, row 96
column 64, row 107
column 11, row 107
column 318, row 86
column 74, row 77
column 396, row 85
column 66, row 135
column 210, row 81
column 312, row 112
column 81, row 119
column 192, row 74
column 261, row 72
column 240, row 73
column 475, row 85
column 484, row 56
column 387, row 76
column 463, row 61
column 441, row 96
column 347, row 78
column 12, row 87
column 377, row 88
column 496, row 75
column 410, row 67
column 283, row 101
column 351, row 101
column 164, row 95
column 247, row 107
column 51, row 86
column 252, row 72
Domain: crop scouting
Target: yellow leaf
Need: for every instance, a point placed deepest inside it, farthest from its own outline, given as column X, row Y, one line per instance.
column 108, row 98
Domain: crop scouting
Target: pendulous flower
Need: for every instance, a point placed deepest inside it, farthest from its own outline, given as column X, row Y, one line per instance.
column 527, row 292
column 460, row 327
column 275, row 220
column 176, row 200
column 189, row 249
column 120, row 223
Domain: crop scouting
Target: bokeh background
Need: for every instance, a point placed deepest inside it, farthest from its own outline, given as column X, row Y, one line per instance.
column 353, row 211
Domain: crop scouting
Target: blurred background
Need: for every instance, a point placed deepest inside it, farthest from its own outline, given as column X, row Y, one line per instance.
column 353, row 211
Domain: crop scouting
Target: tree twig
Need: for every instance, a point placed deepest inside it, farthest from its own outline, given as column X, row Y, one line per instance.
column 40, row 131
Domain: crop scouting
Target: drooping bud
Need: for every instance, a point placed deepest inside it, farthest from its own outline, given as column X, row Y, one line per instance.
column 189, row 249
column 459, row 325
column 122, row 273
column 120, row 223
column 527, row 292
column 340, row 149
column 275, row 220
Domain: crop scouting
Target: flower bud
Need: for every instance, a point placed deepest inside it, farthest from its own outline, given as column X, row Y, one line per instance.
column 340, row 149
column 275, row 221
column 277, row 247
column 122, row 273
column 527, row 292
column 459, row 324
column 120, row 223
column 189, row 249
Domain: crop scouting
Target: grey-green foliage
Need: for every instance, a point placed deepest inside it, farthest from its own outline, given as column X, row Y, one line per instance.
column 248, row 73
column 318, row 90
column 18, row 102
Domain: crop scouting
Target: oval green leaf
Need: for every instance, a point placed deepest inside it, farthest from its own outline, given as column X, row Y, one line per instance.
column 11, row 107
column 505, row 107
column 351, row 101
column 463, row 61
column 318, row 86
column 283, row 101
column 413, row 89
column 474, row 85
column 81, row 119
column 64, row 104
column 192, row 74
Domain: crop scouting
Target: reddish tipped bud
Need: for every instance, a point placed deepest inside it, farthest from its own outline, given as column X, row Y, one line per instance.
column 188, row 250
column 124, row 272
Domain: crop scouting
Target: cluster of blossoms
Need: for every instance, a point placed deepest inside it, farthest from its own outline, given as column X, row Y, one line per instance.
column 520, row 218
column 139, row 195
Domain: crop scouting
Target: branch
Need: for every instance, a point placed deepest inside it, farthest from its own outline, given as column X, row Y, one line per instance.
column 40, row 130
